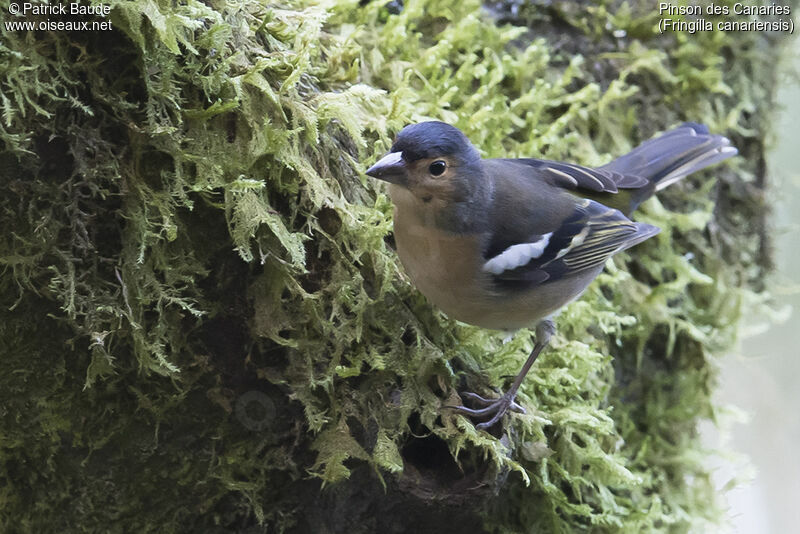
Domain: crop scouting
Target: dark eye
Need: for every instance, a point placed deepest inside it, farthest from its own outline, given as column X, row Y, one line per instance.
column 437, row 167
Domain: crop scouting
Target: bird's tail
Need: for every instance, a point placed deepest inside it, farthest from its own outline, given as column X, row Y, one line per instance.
column 673, row 155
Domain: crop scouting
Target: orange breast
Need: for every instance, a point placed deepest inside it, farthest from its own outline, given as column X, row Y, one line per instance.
column 447, row 269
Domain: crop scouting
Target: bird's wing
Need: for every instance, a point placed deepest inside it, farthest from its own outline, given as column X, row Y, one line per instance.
column 583, row 241
column 571, row 176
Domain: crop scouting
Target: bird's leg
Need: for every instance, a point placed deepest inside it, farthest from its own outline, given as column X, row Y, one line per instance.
column 498, row 407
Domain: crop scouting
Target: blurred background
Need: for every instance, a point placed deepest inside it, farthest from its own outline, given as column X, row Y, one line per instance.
column 763, row 379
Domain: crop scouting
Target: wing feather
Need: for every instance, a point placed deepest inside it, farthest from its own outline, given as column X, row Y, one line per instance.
column 578, row 177
column 586, row 239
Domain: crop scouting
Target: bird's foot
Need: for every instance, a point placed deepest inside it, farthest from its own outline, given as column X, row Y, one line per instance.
column 496, row 408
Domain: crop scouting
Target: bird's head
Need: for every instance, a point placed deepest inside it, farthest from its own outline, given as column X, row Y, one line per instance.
column 433, row 161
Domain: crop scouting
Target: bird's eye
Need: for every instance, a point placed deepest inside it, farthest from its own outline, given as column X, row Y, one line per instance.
column 437, row 167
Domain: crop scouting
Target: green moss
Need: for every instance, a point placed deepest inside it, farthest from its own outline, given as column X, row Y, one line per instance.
column 204, row 324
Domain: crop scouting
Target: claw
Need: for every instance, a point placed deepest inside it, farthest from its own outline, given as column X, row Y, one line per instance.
column 474, row 397
column 484, row 402
column 497, row 408
column 490, row 423
column 476, row 412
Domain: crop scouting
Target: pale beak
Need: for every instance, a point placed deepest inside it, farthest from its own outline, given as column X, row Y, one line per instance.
column 390, row 168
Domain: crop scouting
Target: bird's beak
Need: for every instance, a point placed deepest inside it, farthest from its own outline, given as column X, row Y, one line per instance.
column 390, row 168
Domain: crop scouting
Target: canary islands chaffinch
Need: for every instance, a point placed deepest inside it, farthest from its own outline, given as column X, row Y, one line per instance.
column 505, row 243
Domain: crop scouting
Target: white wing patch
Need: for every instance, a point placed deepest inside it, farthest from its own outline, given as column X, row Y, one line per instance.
column 517, row 255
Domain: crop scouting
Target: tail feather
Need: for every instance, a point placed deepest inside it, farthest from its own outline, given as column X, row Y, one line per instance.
column 673, row 155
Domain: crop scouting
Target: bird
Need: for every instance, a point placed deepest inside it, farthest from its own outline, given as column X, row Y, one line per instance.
column 503, row 244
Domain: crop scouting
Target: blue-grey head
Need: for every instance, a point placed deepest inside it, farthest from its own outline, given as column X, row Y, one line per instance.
column 434, row 161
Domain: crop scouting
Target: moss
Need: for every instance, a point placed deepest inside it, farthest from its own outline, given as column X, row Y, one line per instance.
column 205, row 326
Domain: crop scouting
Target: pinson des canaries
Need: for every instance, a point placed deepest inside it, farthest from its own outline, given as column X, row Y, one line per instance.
column 504, row 243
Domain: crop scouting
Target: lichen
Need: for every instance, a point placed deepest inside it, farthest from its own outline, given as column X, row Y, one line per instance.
column 205, row 325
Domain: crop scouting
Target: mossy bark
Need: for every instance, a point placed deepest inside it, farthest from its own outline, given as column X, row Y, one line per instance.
column 204, row 327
